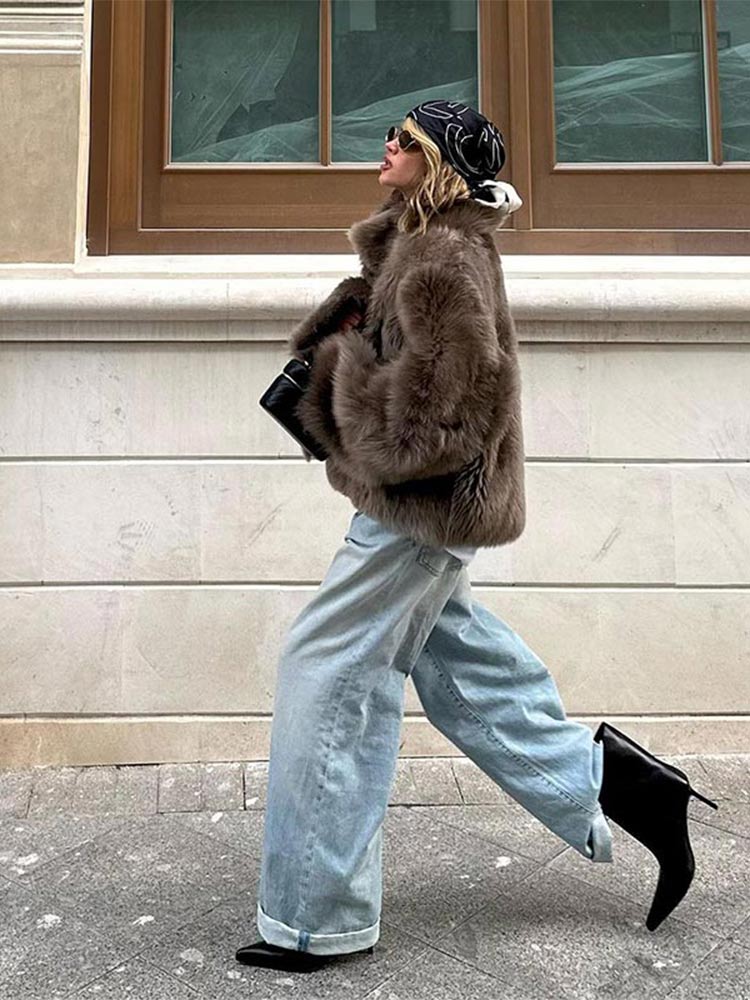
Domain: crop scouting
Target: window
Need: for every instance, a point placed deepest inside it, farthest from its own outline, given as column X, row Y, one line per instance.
column 245, row 76
column 257, row 125
column 733, row 38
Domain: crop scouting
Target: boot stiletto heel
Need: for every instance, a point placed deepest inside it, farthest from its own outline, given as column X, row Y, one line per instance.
column 682, row 775
column 703, row 798
column 648, row 798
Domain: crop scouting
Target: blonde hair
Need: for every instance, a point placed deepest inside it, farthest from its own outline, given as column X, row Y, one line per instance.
column 439, row 187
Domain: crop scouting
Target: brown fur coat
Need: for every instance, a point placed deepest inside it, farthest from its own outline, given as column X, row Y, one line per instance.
column 420, row 409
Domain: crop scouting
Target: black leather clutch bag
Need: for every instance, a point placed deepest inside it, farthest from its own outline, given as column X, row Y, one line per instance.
column 280, row 401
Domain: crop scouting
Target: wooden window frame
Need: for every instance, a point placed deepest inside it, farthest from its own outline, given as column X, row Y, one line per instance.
column 630, row 207
column 139, row 202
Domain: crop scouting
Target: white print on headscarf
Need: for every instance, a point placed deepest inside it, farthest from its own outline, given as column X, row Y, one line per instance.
column 471, row 143
column 478, row 153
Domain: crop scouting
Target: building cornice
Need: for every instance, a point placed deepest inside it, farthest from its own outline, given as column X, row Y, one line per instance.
column 46, row 28
column 552, row 299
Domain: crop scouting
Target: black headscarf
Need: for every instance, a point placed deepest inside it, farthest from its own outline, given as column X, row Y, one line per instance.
column 469, row 142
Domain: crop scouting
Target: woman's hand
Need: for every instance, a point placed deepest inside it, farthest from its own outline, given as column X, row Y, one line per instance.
column 350, row 296
column 352, row 320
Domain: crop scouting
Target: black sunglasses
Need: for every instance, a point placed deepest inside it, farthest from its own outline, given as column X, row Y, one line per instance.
column 405, row 139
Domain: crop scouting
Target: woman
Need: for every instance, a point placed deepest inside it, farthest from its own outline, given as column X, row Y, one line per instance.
column 419, row 410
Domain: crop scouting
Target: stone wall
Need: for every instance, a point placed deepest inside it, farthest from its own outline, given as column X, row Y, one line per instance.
column 158, row 532
column 41, row 81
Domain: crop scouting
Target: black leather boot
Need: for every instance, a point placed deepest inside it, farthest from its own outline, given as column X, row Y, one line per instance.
column 272, row 956
column 648, row 798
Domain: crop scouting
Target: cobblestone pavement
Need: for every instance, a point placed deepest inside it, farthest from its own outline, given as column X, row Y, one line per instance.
column 140, row 882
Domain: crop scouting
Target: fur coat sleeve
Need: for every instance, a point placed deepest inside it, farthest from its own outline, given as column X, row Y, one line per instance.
column 327, row 317
column 426, row 412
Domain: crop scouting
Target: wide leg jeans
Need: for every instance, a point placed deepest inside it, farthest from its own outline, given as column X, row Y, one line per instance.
column 391, row 607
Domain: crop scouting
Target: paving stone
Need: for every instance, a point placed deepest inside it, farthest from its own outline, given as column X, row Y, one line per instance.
column 435, row 975
column 725, row 778
column 46, row 951
column 719, row 897
column 180, row 788
column 201, row 954
column 52, row 791
column 722, row 777
column 436, row 781
column 15, row 792
column 722, row 975
column 97, row 861
column 242, row 831
column 145, row 877
column 420, row 781
column 741, row 934
column 436, row 876
column 477, row 788
column 95, row 792
column 404, row 790
column 26, row 845
column 137, row 791
column 223, row 787
column 731, row 817
column 256, row 784
column 508, row 825
column 556, row 936
column 136, row 979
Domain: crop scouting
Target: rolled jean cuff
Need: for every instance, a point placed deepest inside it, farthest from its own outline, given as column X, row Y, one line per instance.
column 600, row 848
column 275, row 932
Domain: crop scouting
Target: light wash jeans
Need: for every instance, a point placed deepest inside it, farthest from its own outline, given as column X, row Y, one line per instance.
column 387, row 608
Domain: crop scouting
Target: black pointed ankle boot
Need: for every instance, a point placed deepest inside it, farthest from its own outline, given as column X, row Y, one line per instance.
column 648, row 798
column 273, row 956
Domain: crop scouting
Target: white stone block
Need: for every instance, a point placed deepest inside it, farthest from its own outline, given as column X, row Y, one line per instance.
column 712, row 524
column 196, row 650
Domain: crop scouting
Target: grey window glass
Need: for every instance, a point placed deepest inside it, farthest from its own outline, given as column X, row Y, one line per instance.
column 629, row 81
column 733, row 24
column 245, row 81
column 389, row 55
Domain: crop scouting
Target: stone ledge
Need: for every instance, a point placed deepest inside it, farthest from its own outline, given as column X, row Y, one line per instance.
column 265, row 265
column 80, row 742
column 42, row 29
column 256, row 297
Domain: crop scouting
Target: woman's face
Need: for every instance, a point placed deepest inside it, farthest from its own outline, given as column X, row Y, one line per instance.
column 401, row 168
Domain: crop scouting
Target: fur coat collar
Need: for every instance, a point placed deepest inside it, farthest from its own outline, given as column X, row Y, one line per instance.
column 371, row 237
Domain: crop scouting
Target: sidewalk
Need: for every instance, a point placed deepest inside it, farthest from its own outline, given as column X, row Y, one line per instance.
column 140, row 882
